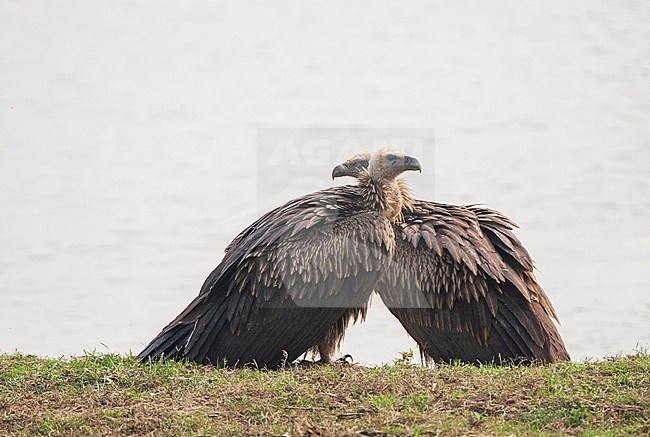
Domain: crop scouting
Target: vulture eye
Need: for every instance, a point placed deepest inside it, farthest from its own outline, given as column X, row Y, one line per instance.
column 391, row 158
column 361, row 165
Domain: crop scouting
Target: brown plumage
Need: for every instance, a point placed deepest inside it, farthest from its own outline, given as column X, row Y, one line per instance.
column 292, row 280
column 384, row 190
column 462, row 284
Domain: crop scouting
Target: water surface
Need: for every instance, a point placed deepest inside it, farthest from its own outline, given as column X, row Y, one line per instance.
column 129, row 149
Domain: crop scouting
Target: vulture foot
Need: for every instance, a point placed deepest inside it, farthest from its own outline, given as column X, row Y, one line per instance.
column 346, row 359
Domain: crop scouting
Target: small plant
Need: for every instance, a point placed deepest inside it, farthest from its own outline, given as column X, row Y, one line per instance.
column 405, row 359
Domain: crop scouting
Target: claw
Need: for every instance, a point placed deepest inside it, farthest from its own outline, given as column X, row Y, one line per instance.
column 344, row 359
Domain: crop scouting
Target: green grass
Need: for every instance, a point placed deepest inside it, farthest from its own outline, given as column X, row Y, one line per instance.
column 109, row 394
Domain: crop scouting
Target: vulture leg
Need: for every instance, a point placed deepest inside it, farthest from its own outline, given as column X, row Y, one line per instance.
column 331, row 341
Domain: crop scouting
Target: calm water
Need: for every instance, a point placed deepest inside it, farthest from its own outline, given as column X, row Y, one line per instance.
column 132, row 149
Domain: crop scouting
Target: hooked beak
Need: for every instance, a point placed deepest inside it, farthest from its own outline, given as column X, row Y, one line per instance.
column 411, row 163
column 341, row 170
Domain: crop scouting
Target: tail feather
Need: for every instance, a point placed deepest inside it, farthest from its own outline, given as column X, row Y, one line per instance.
column 169, row 343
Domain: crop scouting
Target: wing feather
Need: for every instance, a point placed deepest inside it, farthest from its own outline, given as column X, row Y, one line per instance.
column 477, row 280
column 284, row 282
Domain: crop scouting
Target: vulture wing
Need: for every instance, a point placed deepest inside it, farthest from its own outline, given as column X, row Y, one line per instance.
column 283, row 283
column 462, row 285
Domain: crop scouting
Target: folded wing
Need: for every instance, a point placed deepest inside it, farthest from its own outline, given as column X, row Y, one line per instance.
column 283, row 283
column 462, row 285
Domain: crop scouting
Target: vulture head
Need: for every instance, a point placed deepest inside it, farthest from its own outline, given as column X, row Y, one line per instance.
column 384, row 165
column 353, row 166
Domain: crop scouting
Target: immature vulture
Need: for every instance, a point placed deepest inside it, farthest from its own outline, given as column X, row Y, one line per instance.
column 462, row 285
column 292, row 280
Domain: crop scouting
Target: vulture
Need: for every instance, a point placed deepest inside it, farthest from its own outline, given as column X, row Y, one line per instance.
column 462, row 284
column 292, row 281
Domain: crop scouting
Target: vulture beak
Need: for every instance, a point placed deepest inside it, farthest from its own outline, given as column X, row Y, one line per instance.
column 341, row 170
column 411, row 163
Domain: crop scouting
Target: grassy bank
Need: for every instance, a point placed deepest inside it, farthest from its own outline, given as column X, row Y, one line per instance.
column 108, row 394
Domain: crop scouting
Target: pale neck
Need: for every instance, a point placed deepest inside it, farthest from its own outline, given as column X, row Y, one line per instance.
column 391, row 198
